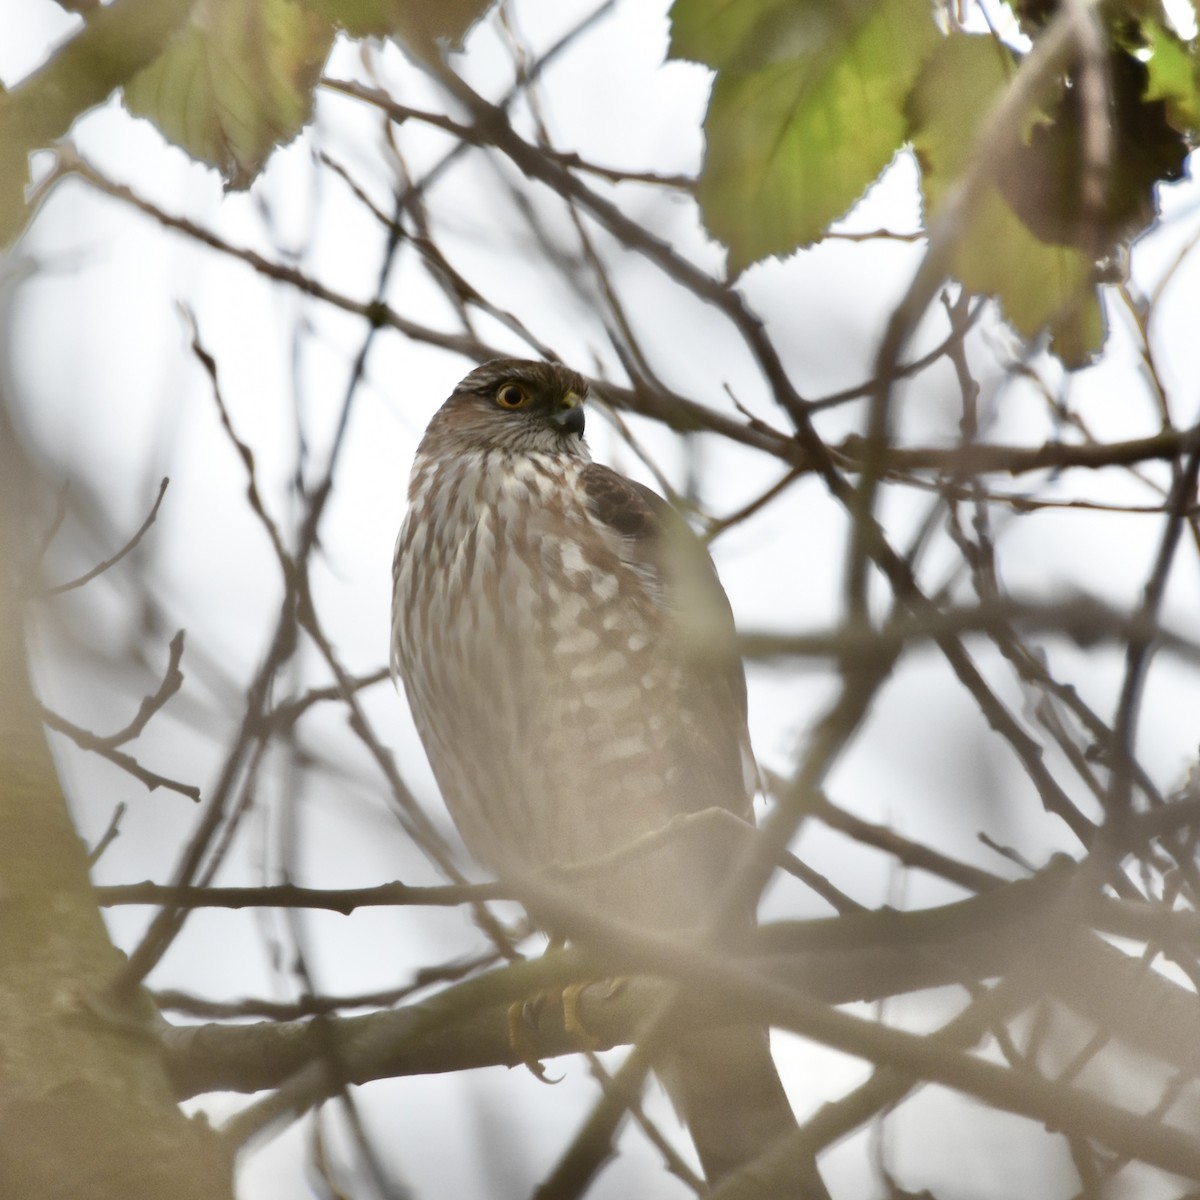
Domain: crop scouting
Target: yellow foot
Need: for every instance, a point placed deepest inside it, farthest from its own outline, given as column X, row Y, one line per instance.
column 522, row 1023
column 572, row 1021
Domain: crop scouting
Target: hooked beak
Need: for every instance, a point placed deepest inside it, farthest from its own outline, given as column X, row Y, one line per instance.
column 569, row 416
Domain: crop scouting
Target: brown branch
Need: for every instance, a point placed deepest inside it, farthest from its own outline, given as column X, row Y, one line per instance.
column 172, row 681
column 572, row 161
column 310, row 1006
column 107, row 746
column 110, row 835
column 253, row 495
column 128, row 548
column 103, row 746
column 862, row 391
column 1139, row 643
column 492, row 128
column 774, row 1173
column 347, row 900
column 374, row 312
column 287, row 895
column 1053, row 50
column 980, row 458
column 248, row 742
column 288, row 712
column 912, row 854
column 676, row 411
column 1084, row 619
column 1028, row 935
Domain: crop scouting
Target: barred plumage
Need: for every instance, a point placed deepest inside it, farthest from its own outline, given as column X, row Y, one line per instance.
column 567, row 652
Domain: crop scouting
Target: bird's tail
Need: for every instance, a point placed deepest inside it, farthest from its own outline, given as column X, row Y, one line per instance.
column 725, row 1087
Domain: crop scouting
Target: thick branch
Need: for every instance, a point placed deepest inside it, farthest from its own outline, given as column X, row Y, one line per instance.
column 287, row 895
column 467, row 1027
column 1025, row 932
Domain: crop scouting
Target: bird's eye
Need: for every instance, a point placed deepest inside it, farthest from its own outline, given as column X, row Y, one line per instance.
column 511, row 396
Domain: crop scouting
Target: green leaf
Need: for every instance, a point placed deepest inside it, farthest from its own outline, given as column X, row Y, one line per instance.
column 807, row 109
column 1171, row 70
column 958, row 85
column 1040, row 286
column 420, row 24
column 236, row 82
column 359, row 18
column 1077, row 334
column 742, row 36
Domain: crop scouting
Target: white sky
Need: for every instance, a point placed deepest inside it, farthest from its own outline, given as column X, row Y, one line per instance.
column 96, row 348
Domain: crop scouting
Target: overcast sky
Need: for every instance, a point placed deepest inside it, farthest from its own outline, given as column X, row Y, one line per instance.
column 97, row 361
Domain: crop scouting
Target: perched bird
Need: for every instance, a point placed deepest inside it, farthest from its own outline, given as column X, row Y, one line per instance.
column 567, row 652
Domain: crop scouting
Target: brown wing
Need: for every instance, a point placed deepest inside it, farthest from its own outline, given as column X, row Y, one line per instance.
column 679, row 576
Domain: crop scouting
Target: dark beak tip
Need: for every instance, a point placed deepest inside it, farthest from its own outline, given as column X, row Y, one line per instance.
column 571, row 420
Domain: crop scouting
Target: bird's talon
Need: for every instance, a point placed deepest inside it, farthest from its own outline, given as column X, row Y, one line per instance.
column 522, row 1024
column 572, row 1021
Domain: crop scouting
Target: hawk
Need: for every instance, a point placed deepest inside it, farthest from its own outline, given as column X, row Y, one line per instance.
column 567, row 652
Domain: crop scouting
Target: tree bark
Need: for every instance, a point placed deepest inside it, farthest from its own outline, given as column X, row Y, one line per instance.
column 86, row 1109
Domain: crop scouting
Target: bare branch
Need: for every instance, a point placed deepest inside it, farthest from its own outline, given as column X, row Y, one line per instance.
column 128, row 548
column 110, row 835
column 104, row 746
column 288, row 895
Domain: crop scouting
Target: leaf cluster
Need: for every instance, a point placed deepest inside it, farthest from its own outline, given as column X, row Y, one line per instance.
column 812, row 101
column 225, row 80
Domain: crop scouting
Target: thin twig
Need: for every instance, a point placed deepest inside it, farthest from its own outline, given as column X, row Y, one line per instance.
column 111, row 833
column 86, row 740
column 128, row 548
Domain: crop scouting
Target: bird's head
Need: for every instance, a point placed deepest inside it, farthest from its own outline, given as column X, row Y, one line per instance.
column 518, row 405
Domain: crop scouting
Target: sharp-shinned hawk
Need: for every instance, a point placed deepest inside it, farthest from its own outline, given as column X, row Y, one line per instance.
column 567, row 651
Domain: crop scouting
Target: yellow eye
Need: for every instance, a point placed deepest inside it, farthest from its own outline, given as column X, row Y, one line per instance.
column 511, row 395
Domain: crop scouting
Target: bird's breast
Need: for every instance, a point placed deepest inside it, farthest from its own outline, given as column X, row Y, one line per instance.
column 536, row 670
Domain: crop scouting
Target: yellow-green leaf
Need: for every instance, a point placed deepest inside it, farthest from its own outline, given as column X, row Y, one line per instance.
column 807, row 109
column 117, row 41
column 1171, row 76
column 420, row 24
column 235, row 82
column 1040, row 286
column 742, row 35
